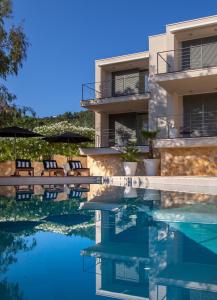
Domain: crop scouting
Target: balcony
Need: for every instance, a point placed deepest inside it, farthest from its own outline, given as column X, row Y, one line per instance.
column 192, row 129
column 189, row 69
column 119, row 137
column 129, row 88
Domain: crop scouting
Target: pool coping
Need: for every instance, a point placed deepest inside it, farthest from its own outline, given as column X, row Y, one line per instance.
column 41, row 180
column 185, row 184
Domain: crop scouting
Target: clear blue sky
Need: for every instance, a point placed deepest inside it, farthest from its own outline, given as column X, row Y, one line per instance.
column 66, row 37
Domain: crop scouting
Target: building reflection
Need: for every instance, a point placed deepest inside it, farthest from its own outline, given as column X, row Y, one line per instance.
column 138, row 255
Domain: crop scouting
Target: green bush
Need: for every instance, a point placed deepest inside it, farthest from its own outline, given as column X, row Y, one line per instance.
column 38, row 149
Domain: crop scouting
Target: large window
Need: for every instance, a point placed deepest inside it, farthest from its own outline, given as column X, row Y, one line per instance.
column 199, row 53
column 129, row 82
column 127, row 127
column 200, row 114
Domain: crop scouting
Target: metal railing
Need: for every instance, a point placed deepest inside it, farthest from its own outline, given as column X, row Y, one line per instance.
column 119, row 138
column 127, row 85
column 187, row 58
column 187, row 125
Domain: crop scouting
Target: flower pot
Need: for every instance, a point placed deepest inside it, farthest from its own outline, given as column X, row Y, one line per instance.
column 151, row 166
column 130, row 192
column 130, row 168
column 152, row 195
column 173, row 133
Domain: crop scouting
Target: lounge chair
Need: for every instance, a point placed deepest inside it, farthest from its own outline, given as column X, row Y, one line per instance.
column 23, row 165
column 24, row 193
column 51, row 192
column 76, row 169
column 77, row 192
column 51, row 167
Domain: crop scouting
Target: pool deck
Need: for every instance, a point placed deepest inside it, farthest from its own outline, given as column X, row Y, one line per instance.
column 39, row 180
column 189, row 184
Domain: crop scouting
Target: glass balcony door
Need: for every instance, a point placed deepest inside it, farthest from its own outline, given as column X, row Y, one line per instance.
column 200, row 114
column 130, row 82
column 199, row 53
column 127, row 127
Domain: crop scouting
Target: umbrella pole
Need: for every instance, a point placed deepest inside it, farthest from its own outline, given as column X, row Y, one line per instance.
column 68, row 151
column 14, row 150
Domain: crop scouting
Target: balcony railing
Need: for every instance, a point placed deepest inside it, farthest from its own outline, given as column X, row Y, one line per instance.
column 188, row 125
column 119, row 137
column 129, row 85
column 187, row 58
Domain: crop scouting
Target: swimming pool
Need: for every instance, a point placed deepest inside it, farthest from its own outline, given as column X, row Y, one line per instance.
column 101, row 241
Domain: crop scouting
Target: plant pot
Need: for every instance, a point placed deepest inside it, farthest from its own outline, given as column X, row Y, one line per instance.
column 173, row 133
column 152, row 195
column 151, row 166
column 130, row 192
column 130, row 168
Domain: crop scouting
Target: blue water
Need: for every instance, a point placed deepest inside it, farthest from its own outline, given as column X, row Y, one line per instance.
column 122, row 246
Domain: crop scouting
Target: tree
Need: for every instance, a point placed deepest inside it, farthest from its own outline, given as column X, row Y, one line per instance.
column 13, row 49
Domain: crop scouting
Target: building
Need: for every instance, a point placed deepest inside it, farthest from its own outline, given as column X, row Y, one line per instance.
column 171, row 88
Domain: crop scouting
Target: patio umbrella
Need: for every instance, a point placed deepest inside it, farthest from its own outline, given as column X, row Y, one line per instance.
column 68, row 138
column 17, row 132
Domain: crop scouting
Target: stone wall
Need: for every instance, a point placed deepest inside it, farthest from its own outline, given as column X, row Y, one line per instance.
column 110, row 165
column 189, row 161
column 7, row 168
column 180, row 199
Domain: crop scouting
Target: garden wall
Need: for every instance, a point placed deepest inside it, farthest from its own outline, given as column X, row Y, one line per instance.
column 189, row 161
column 7, row 168
column 110, row 165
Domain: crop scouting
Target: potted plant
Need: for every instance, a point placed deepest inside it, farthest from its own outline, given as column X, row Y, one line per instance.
column 151, row 163
column 130, row 157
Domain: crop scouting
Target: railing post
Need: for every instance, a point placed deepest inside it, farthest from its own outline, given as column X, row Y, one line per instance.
column 201, row 54
column 190, row 118
column 157, row 62
column 82, row 92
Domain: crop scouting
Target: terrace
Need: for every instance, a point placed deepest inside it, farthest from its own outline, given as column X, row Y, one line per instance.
column 130, row 87
column 193, row 67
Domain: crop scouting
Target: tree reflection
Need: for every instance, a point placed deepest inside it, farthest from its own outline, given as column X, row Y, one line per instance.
column 10, row 245
column 10, row 291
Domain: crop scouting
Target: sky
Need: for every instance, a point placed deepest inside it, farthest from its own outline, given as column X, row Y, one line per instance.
column 66, row 36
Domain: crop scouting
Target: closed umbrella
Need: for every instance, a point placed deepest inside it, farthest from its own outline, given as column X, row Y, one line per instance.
column 17, row 132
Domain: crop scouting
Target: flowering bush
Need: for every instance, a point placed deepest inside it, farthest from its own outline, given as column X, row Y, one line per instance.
column 38, row 149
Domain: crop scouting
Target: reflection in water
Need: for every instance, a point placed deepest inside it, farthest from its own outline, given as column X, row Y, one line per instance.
column 140, row 256
column 26, row 210
column 11, row 244
column 10, row 291
column 140, row 244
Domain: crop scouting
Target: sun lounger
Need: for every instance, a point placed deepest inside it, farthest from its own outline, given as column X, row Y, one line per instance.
column 51, row 168
column 76, row 169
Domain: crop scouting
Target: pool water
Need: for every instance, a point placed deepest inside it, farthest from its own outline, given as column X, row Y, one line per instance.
column 101, row 242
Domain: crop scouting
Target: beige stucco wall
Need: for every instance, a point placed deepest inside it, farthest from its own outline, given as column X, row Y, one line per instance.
column 189, row 161
column 159, row 96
